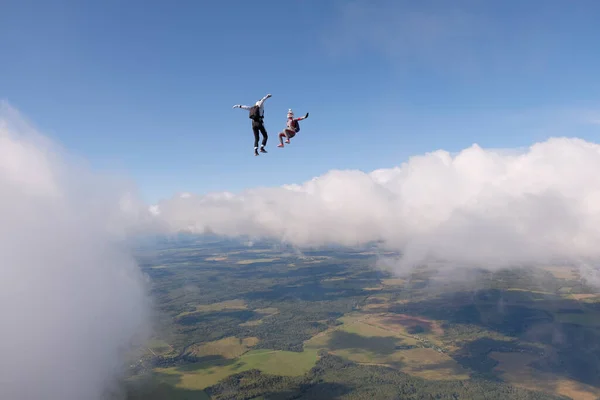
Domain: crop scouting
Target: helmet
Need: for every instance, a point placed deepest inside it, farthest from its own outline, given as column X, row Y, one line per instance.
column 290, row 113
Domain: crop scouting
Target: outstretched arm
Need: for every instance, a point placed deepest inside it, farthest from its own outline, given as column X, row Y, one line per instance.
column 242, row 107
column 261, row 101
column 301, row 118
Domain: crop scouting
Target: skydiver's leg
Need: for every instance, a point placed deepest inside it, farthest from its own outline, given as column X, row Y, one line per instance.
column 281, row 136
column 289, row 134
column 265, row 138
column 255, row 130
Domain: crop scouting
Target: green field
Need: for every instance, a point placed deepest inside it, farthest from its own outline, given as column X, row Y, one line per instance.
column 226, row 312
column 364, row 339
column 199, row 376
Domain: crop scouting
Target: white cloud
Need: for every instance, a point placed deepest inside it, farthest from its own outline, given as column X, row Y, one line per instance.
column 71, row 299
column 479, row 207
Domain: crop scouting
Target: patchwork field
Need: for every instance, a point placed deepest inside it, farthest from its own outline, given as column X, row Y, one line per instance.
column 229, row 348
column 566, row 273
column 380, row 339
column 215, row 307
column 267, row 312
column 218, row 258
column 393, row 282
column 157, row 346
column 201, row 375
column 256, row 261
column 270, row 312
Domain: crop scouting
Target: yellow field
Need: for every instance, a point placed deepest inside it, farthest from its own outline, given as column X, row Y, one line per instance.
column 202, row 375
column 222, row 258
column 530, row 291
column 378, row 339
column 584, row 297
column 255, row 322
column 373, row 289
column 222, row 306
column 430, row 364
column 256, row 260
column 266, row 311
column 337, row 278
column 514, row 370
column 230, row 347
column 567, row 273
column 401, row 322
column 393, row 282
column 368, row 330
column 250, row 250
column 313, row 262
column 157, row 347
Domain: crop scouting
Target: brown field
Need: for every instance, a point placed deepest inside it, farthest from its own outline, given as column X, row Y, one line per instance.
column 307, row 262
column 265, row 311
column 336, row 278
column 315, row 257
column 514, row 369
column 157, row 346
column 256, row 260
column 377, row 307
column 230, row 347
column 430, row 364
column 567, row 273
column 392, row 282
column 255, row 322
column 408, row 321
column 198, row 376
column 584, row 296
column 224, row 305
column 250, row 250
column 373, row 289
column 221, row 258
column 530, row 291
column 374, row 340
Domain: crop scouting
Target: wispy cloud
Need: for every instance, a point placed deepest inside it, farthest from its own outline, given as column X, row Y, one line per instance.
column 72, row 299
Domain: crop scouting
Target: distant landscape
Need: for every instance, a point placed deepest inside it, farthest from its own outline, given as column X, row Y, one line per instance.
column 239, row 320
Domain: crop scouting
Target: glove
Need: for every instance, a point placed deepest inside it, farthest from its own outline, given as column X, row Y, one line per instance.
column 306, row 116
column 236, row 106
column 269, row 95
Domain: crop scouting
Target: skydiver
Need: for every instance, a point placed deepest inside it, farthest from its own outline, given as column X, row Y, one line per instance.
column 292, row 127
column 257, row 115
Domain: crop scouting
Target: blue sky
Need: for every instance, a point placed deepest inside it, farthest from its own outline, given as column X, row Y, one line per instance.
column 145, row 88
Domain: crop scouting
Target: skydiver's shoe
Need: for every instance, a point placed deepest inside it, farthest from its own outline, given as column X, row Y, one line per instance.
column 255, row 152
column 288, row 141
column 262, row 150
column 280, row 145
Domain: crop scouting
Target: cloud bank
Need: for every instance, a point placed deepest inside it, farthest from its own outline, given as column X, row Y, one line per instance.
column 477, row 208
column 72, row 299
